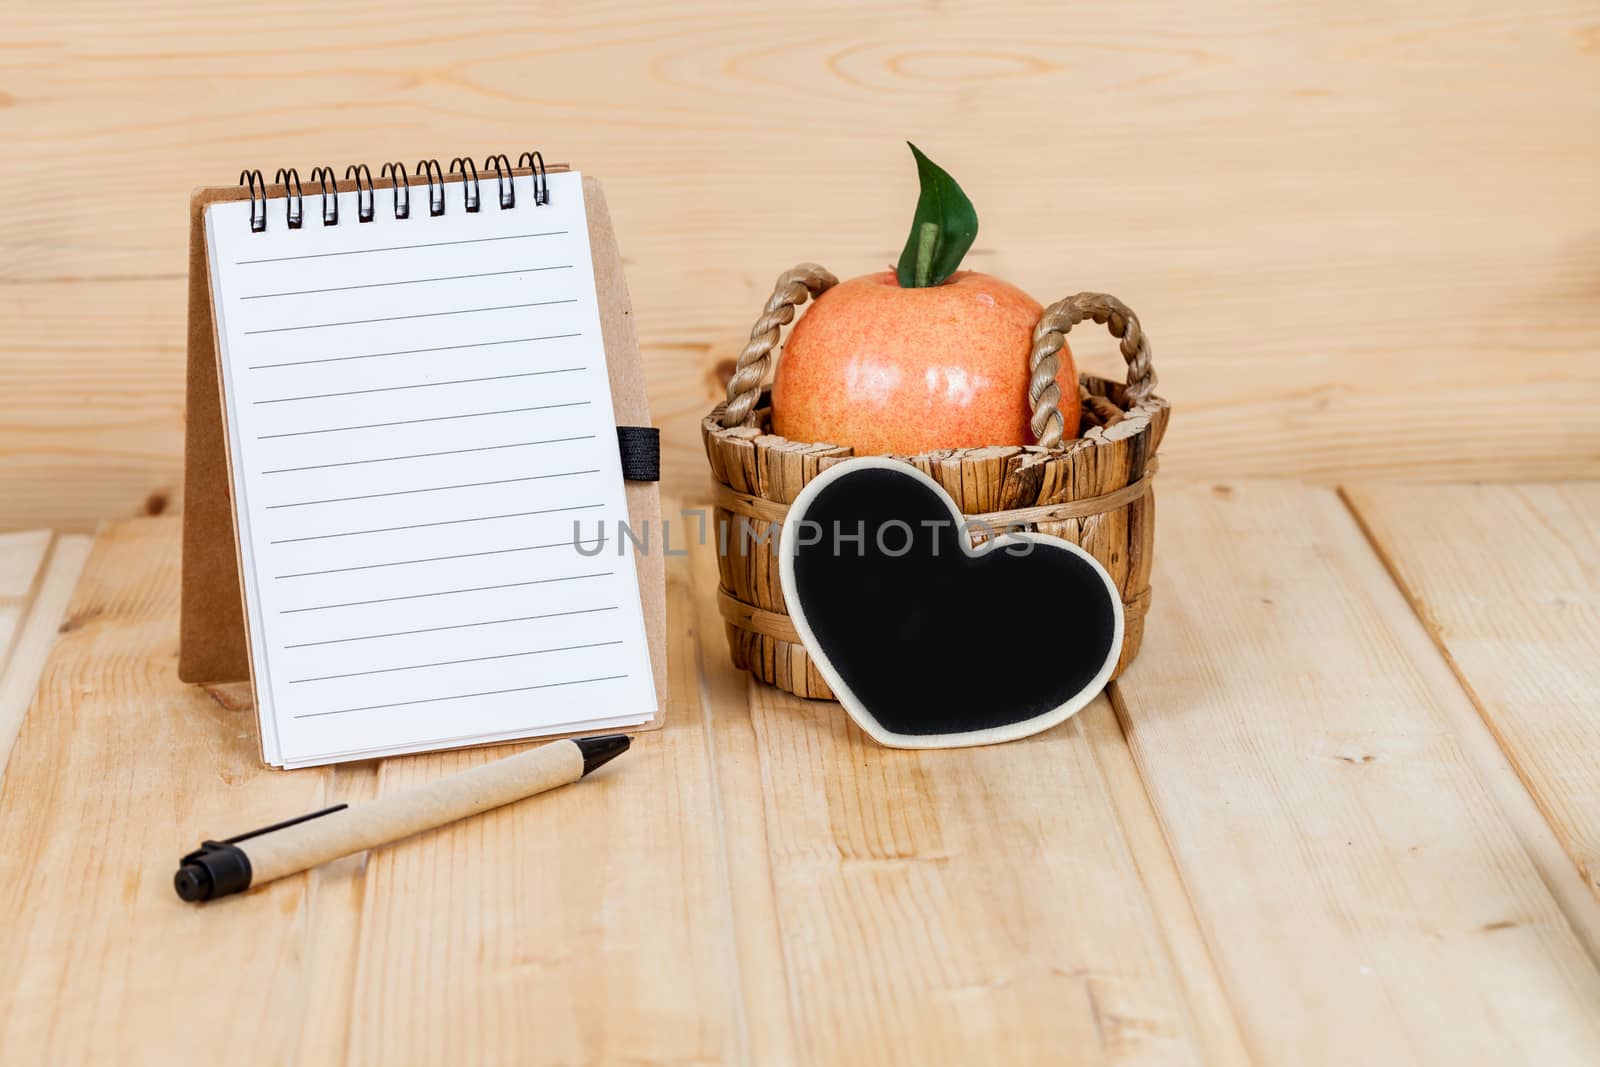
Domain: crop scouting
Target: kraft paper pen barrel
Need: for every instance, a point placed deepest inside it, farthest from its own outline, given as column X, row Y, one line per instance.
column 219, row 868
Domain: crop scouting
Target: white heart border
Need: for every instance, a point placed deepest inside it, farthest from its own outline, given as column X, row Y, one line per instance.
column 787, row 540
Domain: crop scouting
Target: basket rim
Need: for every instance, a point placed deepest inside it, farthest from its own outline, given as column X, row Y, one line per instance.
column 1138, row 420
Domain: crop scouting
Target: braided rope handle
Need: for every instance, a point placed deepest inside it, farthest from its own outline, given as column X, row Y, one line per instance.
column 794, row 288
column 1045, row 362
column 809, row 281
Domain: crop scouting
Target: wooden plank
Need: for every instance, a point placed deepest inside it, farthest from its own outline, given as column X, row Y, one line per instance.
column 936, row 907
column 940, row 906
column 91, row 401
column 22, row 557
column 1215, row 1022
column 118, row 770
column 1364, row 898
column 591, row 925
column 30, row 620
column 335, row 894
column 737, row 774
column 1505, row 579
column 1273, row 297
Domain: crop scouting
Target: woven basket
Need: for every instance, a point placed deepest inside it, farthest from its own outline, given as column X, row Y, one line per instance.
column 1093, row 489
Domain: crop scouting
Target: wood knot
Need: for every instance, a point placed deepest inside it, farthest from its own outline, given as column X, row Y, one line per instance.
column 156, row 503
column 77, row 622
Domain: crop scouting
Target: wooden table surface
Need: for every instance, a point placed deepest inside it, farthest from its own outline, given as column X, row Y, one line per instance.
column 1344, row 809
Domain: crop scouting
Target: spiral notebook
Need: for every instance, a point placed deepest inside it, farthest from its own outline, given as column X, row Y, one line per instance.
column 418, row 412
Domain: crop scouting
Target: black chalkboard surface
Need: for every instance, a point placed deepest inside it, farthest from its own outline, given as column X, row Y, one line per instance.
column 926, row 641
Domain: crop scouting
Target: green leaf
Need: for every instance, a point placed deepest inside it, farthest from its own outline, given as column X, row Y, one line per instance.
column 942, row 230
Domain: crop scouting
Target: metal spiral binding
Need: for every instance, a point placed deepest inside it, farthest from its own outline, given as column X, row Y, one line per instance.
column 365, row 205
column 396, row 173
column 469, row 182
column 428, row 170
column 294, row 200
column 503, row 178
column 258, row 208
column 541, row 185
column 329, row 182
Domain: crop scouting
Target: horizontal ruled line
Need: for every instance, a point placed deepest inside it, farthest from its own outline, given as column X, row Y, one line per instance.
column 415, row 351
column 462, row 696
column 430, row 455
column 425, row 525
column 402, row 318
column 406, row 281
column 427, row 559
column 447, row 592
column 456, row 626
column 421, row 385
column 414, row 422
column 399, row 248
column 453, row 662
column 429, row 489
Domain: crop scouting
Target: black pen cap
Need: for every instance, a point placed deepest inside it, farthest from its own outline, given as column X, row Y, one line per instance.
column 215, row 869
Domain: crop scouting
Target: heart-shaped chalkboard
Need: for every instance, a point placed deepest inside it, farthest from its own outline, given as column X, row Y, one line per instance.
column 927, row 641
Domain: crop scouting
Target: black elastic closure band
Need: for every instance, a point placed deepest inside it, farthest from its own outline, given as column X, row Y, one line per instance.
column 641, row 453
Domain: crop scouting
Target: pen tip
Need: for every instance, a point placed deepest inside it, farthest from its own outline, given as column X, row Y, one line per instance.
column 599, row 751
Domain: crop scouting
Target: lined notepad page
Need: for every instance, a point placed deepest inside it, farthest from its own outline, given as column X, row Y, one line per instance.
column 423, row 458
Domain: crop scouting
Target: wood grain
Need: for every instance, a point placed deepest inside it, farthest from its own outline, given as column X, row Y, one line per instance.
column 1364, row 898
column 118, row 771
column 91, row 400
column 37, row 575
column 1216, row 1024
column 1507, row 579
column 22, row 558
column 936, row 907
column 737, row 772
column 1279, row 841
column 1357, row 242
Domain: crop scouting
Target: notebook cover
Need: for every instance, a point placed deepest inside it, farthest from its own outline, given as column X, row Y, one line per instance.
column 212, row 645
